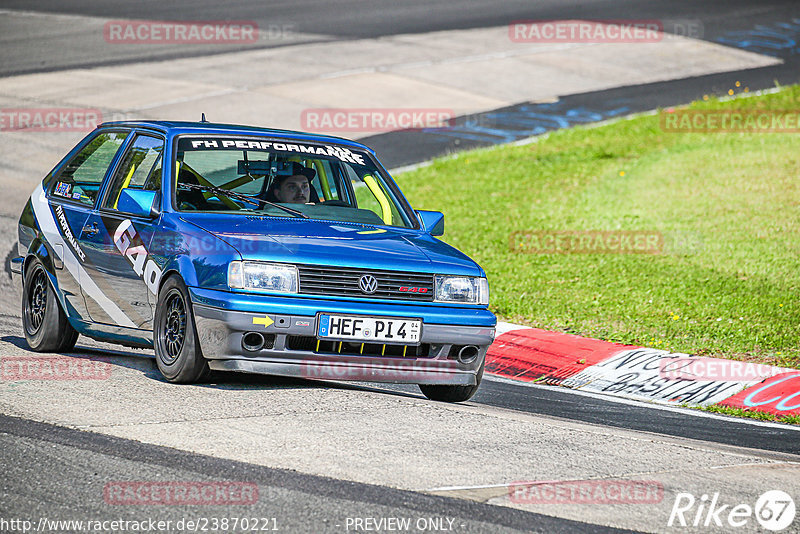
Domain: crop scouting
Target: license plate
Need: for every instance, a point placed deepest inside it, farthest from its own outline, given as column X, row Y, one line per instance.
column 369, row 329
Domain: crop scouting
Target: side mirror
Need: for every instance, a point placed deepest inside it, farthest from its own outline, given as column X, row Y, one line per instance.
column 432, row 221
column 138, row 202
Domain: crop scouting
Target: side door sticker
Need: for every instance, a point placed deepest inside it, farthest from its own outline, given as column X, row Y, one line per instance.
column 67, row 233
column 143, row 265
column 47, row 223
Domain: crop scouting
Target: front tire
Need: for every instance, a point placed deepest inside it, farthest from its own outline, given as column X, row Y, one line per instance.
column 46, row 327
column 177, row 348
column 453, row 393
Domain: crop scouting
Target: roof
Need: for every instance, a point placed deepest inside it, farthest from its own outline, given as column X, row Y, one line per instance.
column 179, row 127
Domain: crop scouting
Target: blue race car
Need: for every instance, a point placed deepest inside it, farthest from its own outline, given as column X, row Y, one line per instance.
column 228, row 247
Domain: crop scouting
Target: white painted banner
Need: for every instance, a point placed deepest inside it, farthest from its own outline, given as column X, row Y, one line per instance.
column 650, row 374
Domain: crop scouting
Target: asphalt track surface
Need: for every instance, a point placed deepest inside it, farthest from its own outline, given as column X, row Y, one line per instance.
column 675, row 422
column 53, row 49
column 62, row 487
column 48, row 469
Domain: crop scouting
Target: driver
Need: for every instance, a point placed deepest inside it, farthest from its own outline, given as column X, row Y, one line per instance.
column 294, row 189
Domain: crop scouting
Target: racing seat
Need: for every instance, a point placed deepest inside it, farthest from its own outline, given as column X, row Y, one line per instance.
column 189, row 199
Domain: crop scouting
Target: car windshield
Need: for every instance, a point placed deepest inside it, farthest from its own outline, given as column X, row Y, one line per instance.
column 284, row 179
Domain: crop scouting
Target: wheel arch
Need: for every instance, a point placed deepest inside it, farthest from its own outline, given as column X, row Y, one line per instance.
column 166, row 275
column 183, row 267
column 40, row 251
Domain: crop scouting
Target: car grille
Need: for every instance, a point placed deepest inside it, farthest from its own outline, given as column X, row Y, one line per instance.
column 343, row 281
column 318, row 346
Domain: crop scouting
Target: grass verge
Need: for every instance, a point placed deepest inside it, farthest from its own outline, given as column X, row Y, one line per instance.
column 727, row 206
column 752, row 414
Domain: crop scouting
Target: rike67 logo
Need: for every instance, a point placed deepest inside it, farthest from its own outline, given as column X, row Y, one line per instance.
column 774, row 510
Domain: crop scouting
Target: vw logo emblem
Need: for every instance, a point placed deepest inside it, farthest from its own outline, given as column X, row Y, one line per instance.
column 368, row 284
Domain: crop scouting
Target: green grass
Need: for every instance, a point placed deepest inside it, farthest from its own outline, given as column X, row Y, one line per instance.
column 752, row 414
column 728, row 205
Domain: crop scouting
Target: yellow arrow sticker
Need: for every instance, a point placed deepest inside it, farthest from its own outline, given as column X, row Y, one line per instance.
column 266, row 321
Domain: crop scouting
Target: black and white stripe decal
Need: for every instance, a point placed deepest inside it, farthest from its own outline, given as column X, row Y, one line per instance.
column 50, row 229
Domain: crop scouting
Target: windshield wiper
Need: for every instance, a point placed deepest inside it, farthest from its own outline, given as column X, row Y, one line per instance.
column 245, row 198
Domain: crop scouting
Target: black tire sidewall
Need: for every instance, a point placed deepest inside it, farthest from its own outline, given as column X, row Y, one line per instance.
column 189, row 366
column 454, row 393
column 48, row 337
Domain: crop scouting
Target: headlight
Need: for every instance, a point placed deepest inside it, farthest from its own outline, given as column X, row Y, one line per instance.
column 257, row 276
column 464, row 289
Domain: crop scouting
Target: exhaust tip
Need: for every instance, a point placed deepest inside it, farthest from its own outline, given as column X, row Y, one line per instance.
column 468, row 354
column 252, row 341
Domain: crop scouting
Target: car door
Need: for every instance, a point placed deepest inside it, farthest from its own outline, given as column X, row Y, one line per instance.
column 70, row 197
column 117, row 242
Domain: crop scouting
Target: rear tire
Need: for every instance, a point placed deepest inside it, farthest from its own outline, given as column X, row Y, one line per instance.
column 453, row 393
column 177, row 348
column 46, row 327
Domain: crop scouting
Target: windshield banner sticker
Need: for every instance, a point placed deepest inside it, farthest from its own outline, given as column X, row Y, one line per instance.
column 339, row 152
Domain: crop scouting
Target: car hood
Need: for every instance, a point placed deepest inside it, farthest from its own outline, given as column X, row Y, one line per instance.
column 335, row 243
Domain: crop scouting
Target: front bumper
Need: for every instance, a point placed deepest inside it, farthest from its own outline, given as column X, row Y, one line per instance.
column 291, row 348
